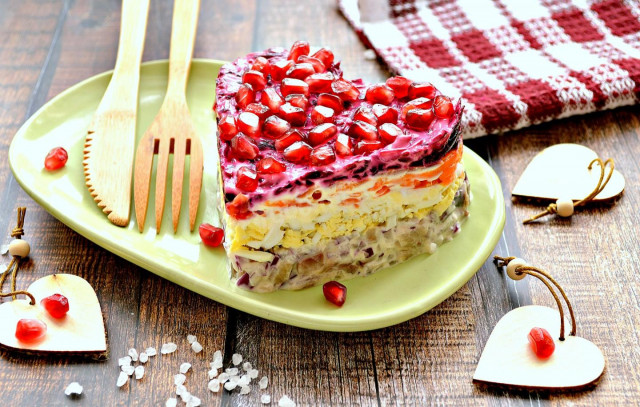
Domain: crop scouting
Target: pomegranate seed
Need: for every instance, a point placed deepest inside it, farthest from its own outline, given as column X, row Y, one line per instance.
column 279, row 69
column 271, row 99
column 332, row 101
column 289, row 138
column 243, row 148
column 57, row 305
column 247, row 179
column 400, row 85
column 300, row 71
column 335, row 292
column 344, row 145
column 363, row 131
column 321, row 114
column 270, row 166
column 56, row 159
column 426, row 90
column 211, row 236
column 254, row 78
column 292, row 114
column 368, row 146
column 320, row 82
column 275, row 127
column 227, row 128
column 419, row 103
column 245, row 96
column 541, row 342
column 291, row 85
column 385, row 114
column 239, row 207
column 345, row 90
column 323, row 155
column 298, row 152
column 30, row 330
column 298, row 100
column 322, row 133
column 259, row 110
column 298, row 48
column 364, row 114
column 260, row 64
column 389, row 132
column 249, row 124
column 443, row 107
column 318, row 66
column 379, row 94
column 420, row 119
column 325, row 55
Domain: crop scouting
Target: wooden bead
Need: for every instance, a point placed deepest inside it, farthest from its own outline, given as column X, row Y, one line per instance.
column 511, row 269
column 19, row 248
column 564, row 207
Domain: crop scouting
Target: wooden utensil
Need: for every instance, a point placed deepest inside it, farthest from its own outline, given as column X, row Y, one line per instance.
column 110, row 142
column 172, row 130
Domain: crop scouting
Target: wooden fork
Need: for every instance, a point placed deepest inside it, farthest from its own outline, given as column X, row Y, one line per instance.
column 172, row 130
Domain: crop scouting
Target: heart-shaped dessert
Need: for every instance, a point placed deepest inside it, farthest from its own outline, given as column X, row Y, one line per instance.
column 562, row 171
column 80, row 332
column 507, row 359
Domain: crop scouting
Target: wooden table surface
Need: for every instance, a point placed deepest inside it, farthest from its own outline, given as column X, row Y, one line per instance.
column 49, row 45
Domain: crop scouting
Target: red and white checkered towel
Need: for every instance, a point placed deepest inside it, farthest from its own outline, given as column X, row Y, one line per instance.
column 514, row 62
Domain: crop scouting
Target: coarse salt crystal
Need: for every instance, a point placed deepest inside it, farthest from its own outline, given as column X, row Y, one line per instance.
column 232, row 371
column 168, row 348
column 139, row 372
column 236, row 358
column 180, row 389
column 217, row 355
column 185, row 396
column 285, row 401
column 245, row 389
column 151, row 351
column 191, row 338
column 265, row 399
column 184, row 368
column 214, row 385
column 253, row 373
column 125, row 361
column 230, row 385
column 223, row 377
column 194, row 402
column 73, row 388
column 234, row 379
column 263, row 383
column 171, row 402
column 122, row 379
column 143, row 358
column 244, row 380
column 196, row 347
column 179, row 379
column 128, row 369
column 246, row 366
column 134, row 354
column 216, row 364
column 212, row 373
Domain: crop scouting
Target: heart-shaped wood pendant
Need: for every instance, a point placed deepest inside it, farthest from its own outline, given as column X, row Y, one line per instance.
column 507, row 359
column 80, row 332
column 562, row 171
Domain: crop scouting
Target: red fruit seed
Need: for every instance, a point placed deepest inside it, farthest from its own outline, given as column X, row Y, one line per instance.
column 325, row 55
column 322, row 133
column 289, row 138
column 56, row 159
column 279, row 69
column 364, row 114
column 300, row 71
column 239, row 207
column 259, row 110
column 211, row 236
column 417, row 90
column 271, row 99
column 270, row 166
column 365, row 147
column 291, row 85
column 249, row 124
column 260, row 64
column 298, row 48
column 318, row 66
column 30, row 330
column 388, row 132
column 385, row 114
column 298, row 100
column 57, row 305
column 323, row 155
column 443, row 107
column 541, row 342
column 345, row 90
column 292, row 114
column 298, row 152
column 344, row 145
column 227, row 128
column 243, row 148
column 379, row 94
column 245, row 96
column 331, row 101
column 335, row 292
column 321, row 114
column 254, row 78
column 363, row 131
column 420, row 119
column 400, row 85
column 275, row 127
column 247, row 179
column 320, row 82
column 419, row 103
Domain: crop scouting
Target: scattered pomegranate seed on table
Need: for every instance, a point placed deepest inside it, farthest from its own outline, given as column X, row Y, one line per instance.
column 57, row 305
column 30, row 330
column 335, row 292
column 211, row 236
column 541, row 342
column 56, row 159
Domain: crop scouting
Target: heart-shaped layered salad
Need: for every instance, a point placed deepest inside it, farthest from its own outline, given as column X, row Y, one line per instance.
column 326, row 178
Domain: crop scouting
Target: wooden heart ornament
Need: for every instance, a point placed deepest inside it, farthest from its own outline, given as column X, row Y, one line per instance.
column 561, row 171
column 80, row 332
column 508, row 360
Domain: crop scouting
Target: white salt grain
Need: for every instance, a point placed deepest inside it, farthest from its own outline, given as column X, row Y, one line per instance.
column 180, row 389
column 139, row 372
column 232, row 371
column 185, row 396
column 128, row 369
column 286, row 402
column 179, row 379
column 216, row 364
column 214, row 385
column 194, row 402
column 171, row 402
column 151, row 351
column 184, row 368
column 134, row 354
column 122, row 379
column 196, row 347
column 217, row 355
column 191, row 338
column 168, row 348
column 253, row 373
column 263, row 383
column 125, row 361
column 230, row 385
column 143, row 358
column 246, row 366
column 265, row 399
column 223, row 377
column 73, row 389
column 245, row 389
column 236, row 358
column 244, row 380
column 212, row 373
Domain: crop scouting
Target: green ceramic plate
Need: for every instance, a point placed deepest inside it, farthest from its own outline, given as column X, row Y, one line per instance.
column 388, row 297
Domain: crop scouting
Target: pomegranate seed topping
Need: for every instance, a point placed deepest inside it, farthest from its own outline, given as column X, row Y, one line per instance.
column 420, row 119
column 345, row 90
column 389, row 132
column 298, row 100
column 239, row 207
column 325, row 55
column 227, row 128
column 274, row 127
column 321, row 114
column 270, row 166
column 323, row 155
column 260, row 64
column 419, row 103
column 247, row 179
column 364, row 114
column 57, row 305
column 443, row 107
column 363, row 131
column 245, row 96
column 379, row 94
column 300, row 71
column 298, row 152
column 259, row 110
column 56, row 159
column 243, row 148
column 322, row 133
column 332, row 101
column 291, row 85
column 298, row 48
column 271, row 99
column 279, row 69
column 417, row 90
column 320, row 82
column 211, row 236
column 385, row 114
column 289, row 138
column 344, row 145
column 335, row 292
column 400, row 85
column 30, row 330
column 368, row 146
column 292, row 114
column 541, row 342
column 249, row 124
column 254, row 78
column 318, row 66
